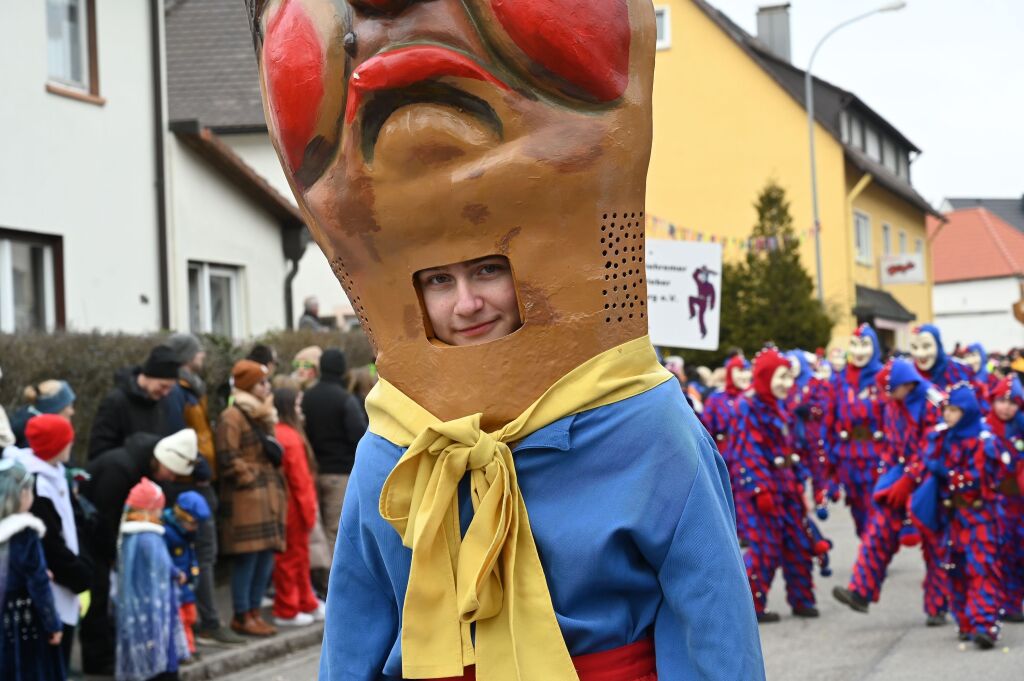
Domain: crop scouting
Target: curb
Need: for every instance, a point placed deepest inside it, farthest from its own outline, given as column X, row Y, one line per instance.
column 224, row 661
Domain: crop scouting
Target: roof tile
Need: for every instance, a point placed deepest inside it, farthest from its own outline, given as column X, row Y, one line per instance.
column 975, row 244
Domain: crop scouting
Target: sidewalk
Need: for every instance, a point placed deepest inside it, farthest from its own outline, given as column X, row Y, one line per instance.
column 218, row 662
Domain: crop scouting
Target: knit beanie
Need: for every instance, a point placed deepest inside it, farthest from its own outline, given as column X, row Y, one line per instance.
column 193, row 505
column 162, row 363
column 311, row 354
column 48, row 435
column 178, row 452
column 145, row 496
column 247, row 373
column 58, row 401
column 185, row 346
column 333, row 363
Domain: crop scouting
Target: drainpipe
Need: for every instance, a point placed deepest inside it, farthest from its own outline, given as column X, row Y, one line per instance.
column 289, row 313
column 160, row 180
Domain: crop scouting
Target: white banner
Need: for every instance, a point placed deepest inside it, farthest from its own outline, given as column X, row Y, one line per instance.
column 684, row 283
column 905, row 268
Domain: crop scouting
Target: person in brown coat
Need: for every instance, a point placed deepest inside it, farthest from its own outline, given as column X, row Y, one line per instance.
column 252, row 493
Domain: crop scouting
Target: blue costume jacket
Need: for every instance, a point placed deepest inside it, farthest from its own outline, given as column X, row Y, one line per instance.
column 181, row 546
column 631, row 512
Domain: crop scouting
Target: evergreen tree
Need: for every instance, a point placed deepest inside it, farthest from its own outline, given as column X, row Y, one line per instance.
column 769, row 296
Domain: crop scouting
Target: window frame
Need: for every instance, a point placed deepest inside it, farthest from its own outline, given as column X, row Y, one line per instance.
column 663, row 42
column 88, row 92
column 871, row 133
column 919, row 245
column 205, row 270
column 862, row 251
column 886, row 238
column 903, row 242
column 53, row 278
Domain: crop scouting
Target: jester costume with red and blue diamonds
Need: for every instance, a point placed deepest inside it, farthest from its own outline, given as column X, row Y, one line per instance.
column 773, row 476
column 854, row 427
column 966, row 467
column 906, row 425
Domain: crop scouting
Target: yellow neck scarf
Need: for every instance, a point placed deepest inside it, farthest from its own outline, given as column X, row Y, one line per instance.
column 493, row 576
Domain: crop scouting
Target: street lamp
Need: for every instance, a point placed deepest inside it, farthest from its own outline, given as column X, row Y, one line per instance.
column 809, row 96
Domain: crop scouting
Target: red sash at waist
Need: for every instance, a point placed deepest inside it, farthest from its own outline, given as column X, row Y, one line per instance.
column 634, row 662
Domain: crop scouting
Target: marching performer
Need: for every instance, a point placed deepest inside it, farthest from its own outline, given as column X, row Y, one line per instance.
column 1006, row 423
column 967, row 470
column 853, row 424
column 914, row 407
column 478, row 186
column 773, row 475
column 719, row 419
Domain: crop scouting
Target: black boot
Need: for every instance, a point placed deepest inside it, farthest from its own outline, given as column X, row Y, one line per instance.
column 850, row 598
column 935, row 620
column 984, row 641
column 806, row 612
column 767, row 617
column 1015, row 617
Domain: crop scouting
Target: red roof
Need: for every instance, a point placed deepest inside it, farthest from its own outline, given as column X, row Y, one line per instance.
column 975, row 244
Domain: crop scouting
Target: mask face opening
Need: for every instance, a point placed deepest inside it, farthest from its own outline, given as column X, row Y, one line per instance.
column 470, row 302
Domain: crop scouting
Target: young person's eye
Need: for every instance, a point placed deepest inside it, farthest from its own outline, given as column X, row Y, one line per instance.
column 437, row 279
column 490, row 268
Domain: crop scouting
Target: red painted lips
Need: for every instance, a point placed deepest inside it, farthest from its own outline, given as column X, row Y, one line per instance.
column 408, row 65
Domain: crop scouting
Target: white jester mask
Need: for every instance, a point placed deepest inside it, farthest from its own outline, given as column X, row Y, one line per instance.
column 782, row 382
column 837, row 359
column 973, row 360
column 924, row 350
column 741, row 378
column 823, row 370
column 861, row 351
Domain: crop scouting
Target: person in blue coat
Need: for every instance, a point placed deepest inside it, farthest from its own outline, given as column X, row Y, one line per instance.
column 181, row 527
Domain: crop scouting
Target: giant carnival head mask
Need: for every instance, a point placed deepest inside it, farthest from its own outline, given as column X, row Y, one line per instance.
column 924, row 349
column 418, row 134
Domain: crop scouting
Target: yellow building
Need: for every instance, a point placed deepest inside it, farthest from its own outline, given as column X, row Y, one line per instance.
column 729, row 117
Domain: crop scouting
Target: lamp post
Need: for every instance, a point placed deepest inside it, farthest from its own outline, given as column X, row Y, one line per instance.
column 809, row 97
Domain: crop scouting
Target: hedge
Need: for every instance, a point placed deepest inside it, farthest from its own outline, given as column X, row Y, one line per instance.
column 88, row 361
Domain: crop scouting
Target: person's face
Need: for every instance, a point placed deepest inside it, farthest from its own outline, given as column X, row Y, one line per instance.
column 973, row 360
column 782, row 382
column 837, row 359
column 1005, row 408
column 861, row 350
column 951, row 415
column 471, row 302
column 924, row 350
column 900, row 392
column 741, row 378
column 27, row 497
column 262, row 389
column 197, row 362
column 189, row 525
column 298, row 407
column 823, row 370
column 162, row 473
column 157, row 388
column 64, row 456
column 304, row 372
column 68, row 411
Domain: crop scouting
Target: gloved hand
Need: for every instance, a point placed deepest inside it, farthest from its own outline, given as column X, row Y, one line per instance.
column 897, row 495
column 765, row 503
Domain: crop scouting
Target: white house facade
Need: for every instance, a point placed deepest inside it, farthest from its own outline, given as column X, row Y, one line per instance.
column 980, row 311
column 122, row 209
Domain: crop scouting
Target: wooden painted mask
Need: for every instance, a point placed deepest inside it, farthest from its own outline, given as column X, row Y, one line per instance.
column 417, row 134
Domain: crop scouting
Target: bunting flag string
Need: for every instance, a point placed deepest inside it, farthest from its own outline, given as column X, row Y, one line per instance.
column 660, row 228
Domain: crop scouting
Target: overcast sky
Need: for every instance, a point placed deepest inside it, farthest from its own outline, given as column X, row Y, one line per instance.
column 949, row 74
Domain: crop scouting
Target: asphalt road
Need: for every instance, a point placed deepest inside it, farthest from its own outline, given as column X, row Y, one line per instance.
column 889, row 644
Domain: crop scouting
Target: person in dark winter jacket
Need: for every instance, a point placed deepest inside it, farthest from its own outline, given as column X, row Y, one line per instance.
column 133, row 405
column 334, row 424
column 113, row 475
